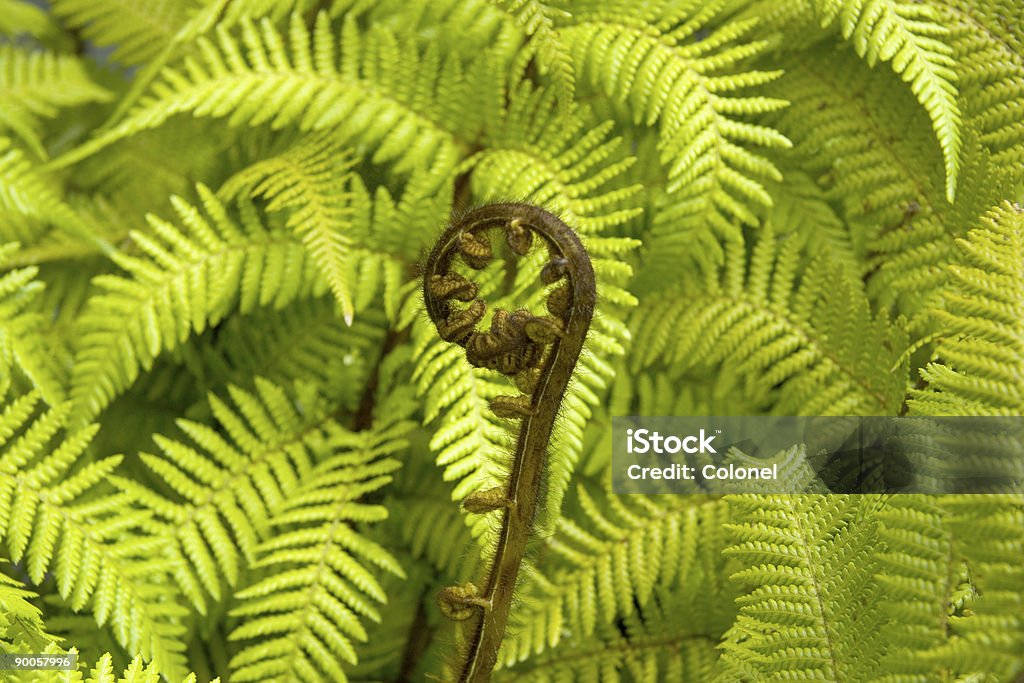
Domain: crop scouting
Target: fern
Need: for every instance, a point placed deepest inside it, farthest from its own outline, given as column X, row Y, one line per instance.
column 802, row 557
column 35, row 84
column 983, row 364
column 761, row 317
column 96, row 546
column 911, row 36
column 315, row 317
column 136, row 30
column 317, row 583
column 180, row 285
column 310, row 179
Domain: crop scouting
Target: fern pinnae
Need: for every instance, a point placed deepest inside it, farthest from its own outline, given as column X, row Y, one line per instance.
column 540, row 352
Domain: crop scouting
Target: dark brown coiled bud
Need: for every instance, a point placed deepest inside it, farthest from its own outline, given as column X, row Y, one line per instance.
column 554, row 270
column 458, row 326
column 452, row 286
column 520, row 239
column 511, row 406
column 476, row 251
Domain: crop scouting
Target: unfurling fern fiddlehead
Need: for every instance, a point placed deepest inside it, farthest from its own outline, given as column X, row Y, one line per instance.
column 539, row 352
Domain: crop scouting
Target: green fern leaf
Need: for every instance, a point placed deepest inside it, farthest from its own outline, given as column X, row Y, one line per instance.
column 979, row 368
column 226, row 485
column 655, row 61
column 309, row 83
column 136, row 30
column 774, row 321
column 180, row 285
column 307, row 608
column 35, row 85
column 27, row 194
column 310, row 180
column 912, row 37
column 804, row 560
column 96, row 546
column 24, row 346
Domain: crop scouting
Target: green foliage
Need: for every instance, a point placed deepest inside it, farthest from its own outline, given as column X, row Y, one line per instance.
column 231, row 442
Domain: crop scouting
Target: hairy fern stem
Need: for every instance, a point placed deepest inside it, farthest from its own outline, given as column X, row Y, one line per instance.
column 540, row 353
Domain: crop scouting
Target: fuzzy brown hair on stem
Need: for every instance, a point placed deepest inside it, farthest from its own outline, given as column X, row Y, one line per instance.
column 539, row 352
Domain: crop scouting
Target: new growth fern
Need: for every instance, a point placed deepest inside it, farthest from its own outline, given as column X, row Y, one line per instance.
column 240, row 437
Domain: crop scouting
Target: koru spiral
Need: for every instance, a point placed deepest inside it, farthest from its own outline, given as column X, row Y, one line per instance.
column 539, row 352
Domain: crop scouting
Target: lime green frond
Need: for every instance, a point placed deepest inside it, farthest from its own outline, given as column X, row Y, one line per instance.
column 306, row 339
column 650, row 657
column 776, row 321
column 611, row 556
column 913, row 38
column 136, row 672
column 36, row 84
column 803, row 560
column 141, row 174
column 425, row 524
column 917, row 560
column 55, row 520
column 988, row 45
column 367, row 87
column 668, row 64
column 181, row 283
column 987, row 621
column 978, row 369
column 470, row 443
column 317, row 578
column 225, row 481
column 309, row 181
column 27, row 194
column 552, row 54
column 137, row 30
column 24, row 345
column 18, row 17
column 21, row 623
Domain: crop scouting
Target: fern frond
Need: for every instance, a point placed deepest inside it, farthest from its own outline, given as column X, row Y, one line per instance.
column 307, row 339
column 776, row 322
column 552, row 54
column 21, row 17
column 989, row 50
column 917, row 561
column 25, row 193
column 859, row 130
column 368, row 91
column 987, row 626
column 668, row 64
column 978, row 369
column 804, row 559
column 23, row 344
column 136, row 30
column 35, row 84
column 426, row 523
column 179, row 285
column 645, row 658
column 309, row 180
column 226, row 480
column 913, row 38
column 317, row 584
column 21, row 622
column 136, row 672
column 609, row 558
column 53, row 518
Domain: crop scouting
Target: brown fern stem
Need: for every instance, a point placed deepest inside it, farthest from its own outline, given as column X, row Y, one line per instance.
column 540, row 353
